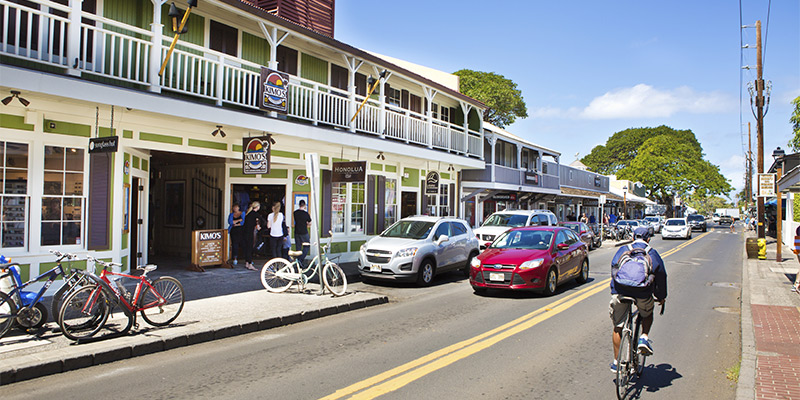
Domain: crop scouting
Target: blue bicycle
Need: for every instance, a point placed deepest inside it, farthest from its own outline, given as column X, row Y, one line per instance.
column 25, row 307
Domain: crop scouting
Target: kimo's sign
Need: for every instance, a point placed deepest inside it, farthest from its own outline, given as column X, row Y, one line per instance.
column 255, row 155
column 274, row 91
column 351, row 171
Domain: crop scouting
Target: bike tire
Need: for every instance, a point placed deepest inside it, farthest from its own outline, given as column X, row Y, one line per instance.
column 334, row 279
column 40, row 317
column 623, row 365
column 78, row 322
column 72, row 282
column 162, row 314
column 640, row 357
column 8, row 313
column 273, row 275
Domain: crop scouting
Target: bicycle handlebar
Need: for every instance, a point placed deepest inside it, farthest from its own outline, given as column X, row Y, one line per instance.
column 105, row 264
column 61, row 255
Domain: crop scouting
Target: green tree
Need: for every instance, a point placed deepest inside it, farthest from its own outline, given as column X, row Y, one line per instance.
column 707, row 204
column 668, row 162
column 795, row 120
column 503, row 100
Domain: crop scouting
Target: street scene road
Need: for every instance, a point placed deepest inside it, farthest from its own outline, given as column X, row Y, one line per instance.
column 445, row 342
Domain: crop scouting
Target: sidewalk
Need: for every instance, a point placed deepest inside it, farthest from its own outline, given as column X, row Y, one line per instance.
column 770, row 327
column 219, row 303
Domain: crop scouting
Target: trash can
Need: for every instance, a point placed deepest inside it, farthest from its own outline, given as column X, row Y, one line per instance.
column 751, row 245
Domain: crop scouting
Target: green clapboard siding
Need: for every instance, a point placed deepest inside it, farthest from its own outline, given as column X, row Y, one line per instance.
column 144, row 165
column 14, row 122
column 339, row 247
column 237, row 173
column 195, row 24
column 375, row 167
column 136, row 162
column 301, row 188
column 313, row 68
column 208, row 144
column 237, row 148
column 154, row 137
column 356, row 246
column 138, row 13
column 391, row 168
column 103, row 132
column 127, row 134
column 255, row 49
column 285, row 154
column 67, row 128
column 413, row 177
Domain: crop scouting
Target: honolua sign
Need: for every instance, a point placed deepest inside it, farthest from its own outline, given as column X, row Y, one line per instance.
column 351, row 171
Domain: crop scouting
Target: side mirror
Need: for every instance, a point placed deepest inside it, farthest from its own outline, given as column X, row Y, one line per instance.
column 562, row 246
column 442, row 239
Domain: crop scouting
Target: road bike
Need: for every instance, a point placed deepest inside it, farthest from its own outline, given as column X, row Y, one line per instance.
column 630, row 362
column 158, row 301
column 25, row 307
column 278, row 274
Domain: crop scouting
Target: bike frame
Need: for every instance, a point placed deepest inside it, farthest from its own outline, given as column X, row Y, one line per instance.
column 133, row 306
column 52, row 274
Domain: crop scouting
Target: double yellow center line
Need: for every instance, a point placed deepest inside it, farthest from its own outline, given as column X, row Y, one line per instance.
column 402, row 375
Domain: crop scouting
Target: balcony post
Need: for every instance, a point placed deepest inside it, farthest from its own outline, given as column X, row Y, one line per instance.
column 492, row 138
column 430, row 94
column 74, row 38
column 156, row 46
column 271, row 34
column 382, row 101
column 352, row 67
column 220, row 77
column 466, row 108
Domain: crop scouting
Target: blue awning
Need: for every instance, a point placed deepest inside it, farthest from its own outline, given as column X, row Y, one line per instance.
column 772, row 202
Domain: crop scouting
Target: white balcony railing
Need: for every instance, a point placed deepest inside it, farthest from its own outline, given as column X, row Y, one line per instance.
column 122, row 52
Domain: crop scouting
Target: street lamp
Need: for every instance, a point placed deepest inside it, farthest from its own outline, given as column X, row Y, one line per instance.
column 778, row 156
column 625, row 201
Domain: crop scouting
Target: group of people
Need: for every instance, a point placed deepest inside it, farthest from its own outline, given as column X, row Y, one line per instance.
column 244, row 230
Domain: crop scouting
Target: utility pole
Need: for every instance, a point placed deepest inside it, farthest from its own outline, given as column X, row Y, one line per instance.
column 760, row 125
column 749, row 168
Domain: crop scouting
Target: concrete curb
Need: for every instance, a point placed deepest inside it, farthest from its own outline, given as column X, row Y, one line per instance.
column 116, row 349
column 746, row 385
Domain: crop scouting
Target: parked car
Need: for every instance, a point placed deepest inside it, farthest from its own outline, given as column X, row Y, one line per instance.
column 697, row 222
column 725, row 220
column 647, row 225
column 655, row 221
column 531, row 258
column 586, row 233
column 715, row 218
column 676, row 228
column 417, row 249
column 502, row 221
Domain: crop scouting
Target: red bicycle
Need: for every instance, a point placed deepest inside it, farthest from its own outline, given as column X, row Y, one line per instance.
column 86, row 310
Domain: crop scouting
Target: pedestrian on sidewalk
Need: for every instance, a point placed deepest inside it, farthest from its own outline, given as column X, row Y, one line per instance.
column 252, row 223
column 236, row 231
column 277, row 230
column 301, row 223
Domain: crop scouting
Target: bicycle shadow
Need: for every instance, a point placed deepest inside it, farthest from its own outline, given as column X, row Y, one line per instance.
column 653, row 379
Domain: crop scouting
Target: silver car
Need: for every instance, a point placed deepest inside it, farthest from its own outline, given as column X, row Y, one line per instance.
column 418, row 248
column 655, row 222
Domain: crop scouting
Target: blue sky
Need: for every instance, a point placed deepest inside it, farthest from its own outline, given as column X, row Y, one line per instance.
column 588, row 69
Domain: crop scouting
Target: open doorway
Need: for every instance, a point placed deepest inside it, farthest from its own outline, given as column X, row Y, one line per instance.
column 408, row 204
column 244, row 195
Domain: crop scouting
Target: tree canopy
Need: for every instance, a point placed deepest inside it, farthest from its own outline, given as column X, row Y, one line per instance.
column 795, row 121
column 668, row 162
column 503, row 100
column 707, row 205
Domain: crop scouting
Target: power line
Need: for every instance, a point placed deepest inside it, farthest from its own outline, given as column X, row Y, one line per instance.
column 766, row 35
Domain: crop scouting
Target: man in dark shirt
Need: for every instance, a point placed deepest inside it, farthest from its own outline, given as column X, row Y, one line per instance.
column 301, row 222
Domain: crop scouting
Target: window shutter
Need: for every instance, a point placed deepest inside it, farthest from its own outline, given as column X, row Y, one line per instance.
column 327, row 202
column 424, row 197
column 404, row 99
column 99, row 195
column 361, row 84
column 381, row 203
column 370, row 211
column 453, row 203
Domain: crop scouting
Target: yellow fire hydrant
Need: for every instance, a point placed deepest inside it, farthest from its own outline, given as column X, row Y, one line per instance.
column 762, row 249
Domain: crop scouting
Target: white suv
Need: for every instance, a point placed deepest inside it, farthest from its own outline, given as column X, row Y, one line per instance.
column 502, row 221
column 418, row 248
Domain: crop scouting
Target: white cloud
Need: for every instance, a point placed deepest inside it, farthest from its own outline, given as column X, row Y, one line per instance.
column 644, row 101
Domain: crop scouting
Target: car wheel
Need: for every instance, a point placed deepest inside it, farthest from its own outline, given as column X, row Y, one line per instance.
column 551, row 282
column 583, row 277
column 425, row 274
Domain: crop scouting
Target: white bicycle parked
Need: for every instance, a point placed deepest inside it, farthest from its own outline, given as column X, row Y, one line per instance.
column 278, row 274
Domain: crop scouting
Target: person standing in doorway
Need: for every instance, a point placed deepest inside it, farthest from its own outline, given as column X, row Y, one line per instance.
column 252, row 221
column 301, row 221
column 235, row 231
column 275, row 224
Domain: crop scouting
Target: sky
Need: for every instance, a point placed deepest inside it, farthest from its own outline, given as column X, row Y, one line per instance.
column 588, row 69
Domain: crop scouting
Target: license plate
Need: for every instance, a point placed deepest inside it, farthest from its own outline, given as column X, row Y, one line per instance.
column 497, row 277
column 374, row 268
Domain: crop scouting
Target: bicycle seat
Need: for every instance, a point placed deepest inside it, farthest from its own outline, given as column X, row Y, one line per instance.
column 293, row 253
column 148, row 267
column 626, row 299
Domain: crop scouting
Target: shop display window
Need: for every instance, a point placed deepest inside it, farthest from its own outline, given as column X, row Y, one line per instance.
column 63, row 201
column 15, row 200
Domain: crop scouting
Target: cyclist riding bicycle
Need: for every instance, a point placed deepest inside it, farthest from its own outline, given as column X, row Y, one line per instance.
column 655, row 286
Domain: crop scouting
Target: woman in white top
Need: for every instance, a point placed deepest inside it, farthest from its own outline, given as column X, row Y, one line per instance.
column 276, row 224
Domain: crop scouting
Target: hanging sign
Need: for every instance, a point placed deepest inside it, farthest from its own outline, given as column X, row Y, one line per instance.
column 255, row 155
column 432, row 183
column 274, row 91
column 766, row 185
column 350, row 171
column 532, row 178
column 108, row 144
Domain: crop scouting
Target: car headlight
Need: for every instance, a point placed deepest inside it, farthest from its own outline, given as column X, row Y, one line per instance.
column 532, row 263
column 475, row 263
column 363, row 247
column 409, row 252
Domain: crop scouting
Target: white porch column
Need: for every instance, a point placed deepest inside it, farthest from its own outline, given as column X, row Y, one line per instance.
column 480, row 129
column 156, row 47
column 74, row 38
column 353, row 65
column 465, row 108
column 492, row 138
column 430, row 94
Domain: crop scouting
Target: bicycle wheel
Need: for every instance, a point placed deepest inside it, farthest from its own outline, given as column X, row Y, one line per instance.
column 8, row 312
column 623, row 364
column 334, row 279
column 84, row 312
column 159, row 313
column 70, row 283
column 640, row 357
column 277, row 274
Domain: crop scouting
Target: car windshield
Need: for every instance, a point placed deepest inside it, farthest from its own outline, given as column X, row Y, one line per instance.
column 409, row 229
column 523, row 239
column 513, row 220
column 631, row 223
column 675, row 222
column 696, row 218
column 652, row 219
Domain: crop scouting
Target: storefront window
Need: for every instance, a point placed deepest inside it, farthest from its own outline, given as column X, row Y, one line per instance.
column 62, row 203
column 444, row 207
column 339, row 206
column 348, row 207
column 14, row 165
column 390, row 201
column 431, row 208
column 357, row 207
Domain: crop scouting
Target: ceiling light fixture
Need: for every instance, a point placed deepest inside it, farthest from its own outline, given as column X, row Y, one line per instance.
column 380, row 156
column 218, row 130
column 15, row 93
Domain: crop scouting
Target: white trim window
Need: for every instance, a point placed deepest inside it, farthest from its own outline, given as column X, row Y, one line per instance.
column 348, row 207
column 444, row 200
column 390, row 202
column 63, row 196
column 14, row 194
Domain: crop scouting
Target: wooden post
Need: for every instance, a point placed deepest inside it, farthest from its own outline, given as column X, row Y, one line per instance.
column 779, row 220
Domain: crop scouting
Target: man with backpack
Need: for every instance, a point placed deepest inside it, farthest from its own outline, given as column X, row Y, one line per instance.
column 637, row 271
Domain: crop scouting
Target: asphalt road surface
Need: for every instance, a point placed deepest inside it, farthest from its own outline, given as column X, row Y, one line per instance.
column 444, row 342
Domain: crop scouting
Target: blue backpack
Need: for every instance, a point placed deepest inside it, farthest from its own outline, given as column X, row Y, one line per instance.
column 634, row 271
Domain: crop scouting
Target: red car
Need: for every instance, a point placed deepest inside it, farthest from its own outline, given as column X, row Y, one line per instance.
column 531, row 258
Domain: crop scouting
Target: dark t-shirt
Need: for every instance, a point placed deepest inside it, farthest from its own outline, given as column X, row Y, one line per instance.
column 301, row 220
